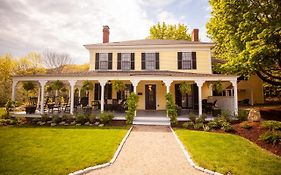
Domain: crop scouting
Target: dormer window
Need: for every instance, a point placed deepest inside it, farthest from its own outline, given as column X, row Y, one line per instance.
column 187, row 60
column 103, row 61
column 150, row 61
column 125, row 61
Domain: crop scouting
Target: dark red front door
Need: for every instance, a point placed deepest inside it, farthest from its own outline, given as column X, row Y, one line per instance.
column 150, row 96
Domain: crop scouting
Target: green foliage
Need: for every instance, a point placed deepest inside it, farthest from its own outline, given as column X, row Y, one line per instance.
column 87, row 85
column 247, row 35
column 56, row 119
column 242, row 115
column 185, row 88
column 67, row 118
column 201, row 119
column 9, row 106
column 118, row 85
column 272, row 137
column 4, row 122
column 91, row 118
column 168, row 31
column 45, row 117
column 213, row 124
column 218, row 87
column 188, row 125
column 246, row 126
column 206, row 128
column 226, row 127
column 57, row 85
column 28, row 86
column 132, row 102
column 171, row 109
column 198, row 126
column 21, row 121
column 192, row 117
column 106, row 117
column 80, row 118
column 271, row 125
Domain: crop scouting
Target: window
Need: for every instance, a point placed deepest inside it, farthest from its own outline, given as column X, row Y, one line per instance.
column 187, row 60
column 150, row 61
column 103, row 61
column 126, row 61
column 103, row 64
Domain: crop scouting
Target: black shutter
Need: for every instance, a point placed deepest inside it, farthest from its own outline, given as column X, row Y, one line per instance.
column 97, row 91
column 118, row 61
column 108, row 88
column 143, row 61
column 195, row 96
column 157, row 61
column 179, row 60
column 132, row 61
column 97, row 61
column 194, row 64
column 109, row 61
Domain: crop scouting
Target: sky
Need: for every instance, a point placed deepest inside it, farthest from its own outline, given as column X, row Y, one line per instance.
column 66, row 25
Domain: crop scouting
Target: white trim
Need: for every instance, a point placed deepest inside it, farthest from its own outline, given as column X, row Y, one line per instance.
column 117, row 152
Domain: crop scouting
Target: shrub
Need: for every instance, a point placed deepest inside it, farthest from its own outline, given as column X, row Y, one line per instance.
column 271, row 125
column 21, row 120
column 192, row 117
column 188, row 125
column 91, row 118
column 56, row 119
column 171, row 109
column 105, row 117
column 4, row 122
column 67, row 118
column 5, row 116
column 206, row 128
column 245, row 125
column 198, row 126
column 227, row 127
column 242, row 115
column 213, row 125
column 225, row 114
column 272, row 137
column 81, row 118
column 201, row 119
column 132, row 102
column 45, row 117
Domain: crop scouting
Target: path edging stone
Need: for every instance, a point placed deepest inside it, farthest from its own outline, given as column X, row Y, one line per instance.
column 117, row 152
column 189, row 159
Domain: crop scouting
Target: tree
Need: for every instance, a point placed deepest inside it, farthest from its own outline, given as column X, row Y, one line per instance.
column 30, row 64
column 169, row 31
column 248, row 37
column 56, row 61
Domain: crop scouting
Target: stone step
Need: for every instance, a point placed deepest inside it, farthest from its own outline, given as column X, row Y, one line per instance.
column 151, row 121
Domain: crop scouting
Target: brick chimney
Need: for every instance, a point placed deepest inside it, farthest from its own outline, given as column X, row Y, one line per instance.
column 195, row 35
column 105, row 37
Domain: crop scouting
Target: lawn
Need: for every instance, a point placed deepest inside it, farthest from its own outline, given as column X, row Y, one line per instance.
column 229, row 153
column 46, row 150
column 2, row 111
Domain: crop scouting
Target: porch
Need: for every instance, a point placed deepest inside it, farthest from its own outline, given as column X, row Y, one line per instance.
column 150, row 86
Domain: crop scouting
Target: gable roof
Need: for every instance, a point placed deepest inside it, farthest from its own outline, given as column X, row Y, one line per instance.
column 149, row 42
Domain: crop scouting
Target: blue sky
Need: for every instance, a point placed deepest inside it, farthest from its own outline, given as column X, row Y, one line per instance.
column 66, row 25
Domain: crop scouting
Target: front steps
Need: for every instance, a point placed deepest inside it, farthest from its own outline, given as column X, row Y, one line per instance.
column 164, row 121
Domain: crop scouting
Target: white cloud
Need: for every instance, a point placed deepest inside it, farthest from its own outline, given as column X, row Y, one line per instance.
column 170, row 18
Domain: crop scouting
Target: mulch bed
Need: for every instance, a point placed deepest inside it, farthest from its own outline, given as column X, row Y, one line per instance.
column 270, row 113
column 253, row 134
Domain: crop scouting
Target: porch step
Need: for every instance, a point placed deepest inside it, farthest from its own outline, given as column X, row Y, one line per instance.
column 151, row 121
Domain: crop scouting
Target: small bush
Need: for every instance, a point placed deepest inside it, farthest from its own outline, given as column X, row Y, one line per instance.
column 45, row 118
column 198, row 126
column 56, row 119
column 213, row 125
column 201, row 119
column 225, row 115
column 242, row 115
column 188, row 125
column 4, row 122
column 91, row 118
column 81, row 118
column 132, row 102
column 21, row 120
column 105, row 117
column 5, row 116
column 272, row 137
column 271, row 125
column 192, row 117
column 227, row 127
column 246, row 126
column 171, row 109
column 206, row 128
column 67, row 118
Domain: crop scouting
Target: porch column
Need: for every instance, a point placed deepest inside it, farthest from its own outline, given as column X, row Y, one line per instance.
column 15, row 82
column 42, row 85
column 234, row 84
column 211, row 89
column 38, row 98
column 199, row 84
column 102, row 84
column 135, row 84
column 168, row 84
column 72, row 84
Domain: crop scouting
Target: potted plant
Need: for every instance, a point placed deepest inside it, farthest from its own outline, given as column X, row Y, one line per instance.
column 29, row 87
column 119, row 86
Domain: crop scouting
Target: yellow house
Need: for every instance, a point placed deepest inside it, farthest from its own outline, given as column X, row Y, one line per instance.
column 150, row 68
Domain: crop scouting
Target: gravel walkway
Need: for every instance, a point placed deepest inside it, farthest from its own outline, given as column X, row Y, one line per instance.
column 150, row 150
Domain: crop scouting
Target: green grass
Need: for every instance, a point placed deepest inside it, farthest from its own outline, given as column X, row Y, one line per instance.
column 46, row 150
column 229, row 153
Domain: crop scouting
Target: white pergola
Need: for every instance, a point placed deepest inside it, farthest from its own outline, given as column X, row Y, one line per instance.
column 134, row 78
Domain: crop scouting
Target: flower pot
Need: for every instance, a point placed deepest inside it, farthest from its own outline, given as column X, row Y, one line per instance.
column 30, row 109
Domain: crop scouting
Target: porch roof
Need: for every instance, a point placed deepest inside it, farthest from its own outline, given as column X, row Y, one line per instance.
column 160, row 73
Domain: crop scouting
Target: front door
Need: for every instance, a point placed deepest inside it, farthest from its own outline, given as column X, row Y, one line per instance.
column 150, row 96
